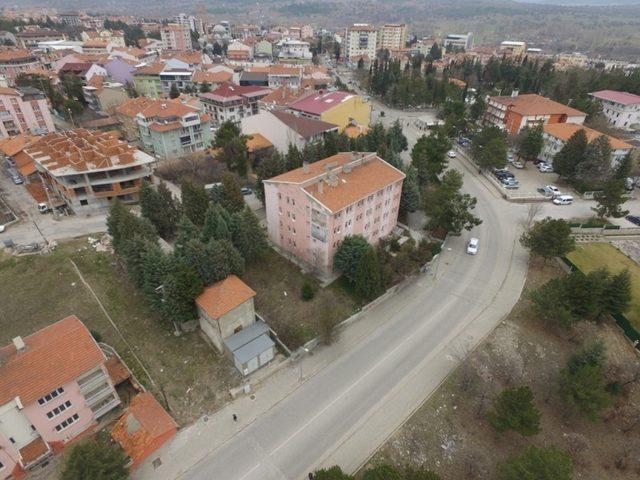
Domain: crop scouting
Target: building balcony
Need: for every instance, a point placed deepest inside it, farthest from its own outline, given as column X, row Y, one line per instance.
column 116, row 193
column 105, row 406
column 91, row 381
column 97, row 394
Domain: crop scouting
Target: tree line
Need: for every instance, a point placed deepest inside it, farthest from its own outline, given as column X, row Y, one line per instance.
column 213, row 236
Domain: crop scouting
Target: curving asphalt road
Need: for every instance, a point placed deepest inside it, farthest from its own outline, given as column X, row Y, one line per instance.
column 346, row 411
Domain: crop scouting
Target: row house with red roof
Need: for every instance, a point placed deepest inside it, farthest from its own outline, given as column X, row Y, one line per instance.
column 54, row 386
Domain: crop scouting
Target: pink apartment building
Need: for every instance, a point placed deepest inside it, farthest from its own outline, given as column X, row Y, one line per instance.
column 54, row 385
column 24, row 110
column 176, row 37
column 310, row 210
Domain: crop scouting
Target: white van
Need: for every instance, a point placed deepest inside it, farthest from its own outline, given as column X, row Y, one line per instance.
column 563, row 200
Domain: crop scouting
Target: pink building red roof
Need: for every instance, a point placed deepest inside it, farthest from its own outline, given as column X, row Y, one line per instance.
column 617, row 97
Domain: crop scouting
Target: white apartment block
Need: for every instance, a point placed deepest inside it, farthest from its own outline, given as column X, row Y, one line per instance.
column 393, row 36
column 622, row 109
column 361, row 40
column 459, row 40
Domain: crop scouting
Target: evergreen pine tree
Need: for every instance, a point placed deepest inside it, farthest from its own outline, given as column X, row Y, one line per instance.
column 367, row 281
column 195, row 202
column 232, row 199
column 566, row 161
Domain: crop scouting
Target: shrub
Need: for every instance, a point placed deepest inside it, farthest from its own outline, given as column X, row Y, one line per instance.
column 307, row 291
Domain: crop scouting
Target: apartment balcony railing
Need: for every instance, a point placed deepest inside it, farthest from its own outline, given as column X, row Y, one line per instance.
column 91, row 381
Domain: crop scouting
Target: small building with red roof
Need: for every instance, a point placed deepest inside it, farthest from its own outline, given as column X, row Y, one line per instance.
column 337, row 107
column 622, row 109
column 233, row 102
column 143, row 428
column 228, row 320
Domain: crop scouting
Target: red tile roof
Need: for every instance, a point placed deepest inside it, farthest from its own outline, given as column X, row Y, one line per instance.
column 33, row 451
column 317, row 103
column 305, row 127
column 55, row 355
column 143, row 428
column 618, row 97
column 564, row 132
column 532, row 104
column 230, row 91
column 220, row 298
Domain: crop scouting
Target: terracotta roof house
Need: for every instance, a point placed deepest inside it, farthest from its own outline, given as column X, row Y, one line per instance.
column 284, row 129
column 227, row 318
column 15, row 61
column 512, row 113
column 233, row 102
column 53, row 387
column 84, row 70
column 143, row 428
column 339, row 108
column 556, row 136
column 622, row 109
column 127, row 113
column 310, row 210
column 87, row 169
column 281, row 97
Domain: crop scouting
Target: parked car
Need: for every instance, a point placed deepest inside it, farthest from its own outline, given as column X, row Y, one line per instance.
column 16, row 179
column 472, row 246
column 505, row 174
column 43, row 208
column 510, row 183
column 552, row 190
column 518, row 164
column 246, row 191
column 511, row 157
column 635, row 219
column 451, row 154
column 2, row 228
column 545, row 167
column 563, row 200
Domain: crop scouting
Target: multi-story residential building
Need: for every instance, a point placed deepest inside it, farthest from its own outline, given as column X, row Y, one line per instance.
column 127, row 115
column 294, row 51
column 70, row 18
column 338, row 108
column 284, row 129
column 114, row 37
column 15, row 61
column 172, row 129
column 393, row 36
column 103, row 96
column 147, row 80
column 233, row 102
column 459, row 40
column 263, row 50
column 239, row 52
column 556, row 136
column 510, row 47
column 176, row 37
column 83, row 70
column 86, row 170
column 622, row 109
column 195, row 24
column 54, row 386
column 310, row 210
column 24, row 110
column 280, row 75
column 514, row 112
column 180, row 76
column 361, row 40
column 30, row 38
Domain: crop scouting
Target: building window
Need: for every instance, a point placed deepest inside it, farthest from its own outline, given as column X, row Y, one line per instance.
column 67, row 423
column 293, row 217
column 50, row 396
column 58, row 410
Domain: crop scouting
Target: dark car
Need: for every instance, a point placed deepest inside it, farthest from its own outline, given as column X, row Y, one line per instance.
column 635, row 219
column 246, row 191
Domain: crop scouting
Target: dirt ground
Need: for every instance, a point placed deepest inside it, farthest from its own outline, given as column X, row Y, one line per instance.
column 450, row 435
column 278, row 284
column 38, row 290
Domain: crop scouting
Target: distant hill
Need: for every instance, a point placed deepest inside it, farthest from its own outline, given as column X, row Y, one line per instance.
column 590, row 3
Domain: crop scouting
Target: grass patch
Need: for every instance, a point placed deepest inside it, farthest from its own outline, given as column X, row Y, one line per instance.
column 278, row 284
column 38, row 290
column 592, row 256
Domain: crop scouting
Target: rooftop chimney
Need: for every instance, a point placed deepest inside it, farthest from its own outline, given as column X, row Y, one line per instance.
column 19, row 344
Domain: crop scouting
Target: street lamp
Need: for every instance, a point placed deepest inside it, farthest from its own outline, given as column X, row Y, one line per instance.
column 304, row 351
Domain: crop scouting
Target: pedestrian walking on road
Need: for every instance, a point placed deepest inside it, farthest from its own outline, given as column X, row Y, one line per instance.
column 235, row 417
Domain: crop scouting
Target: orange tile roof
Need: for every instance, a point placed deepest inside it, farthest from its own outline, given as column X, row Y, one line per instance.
column 95, row 43
column 150, row 69
column 283, row 95
column 166, row 108
column 533, row 104
column 165, row 127
column 33, row 450
column 24, row 164
column 299, row 175
column 132, row 106
column 354, row 131
column 136, row 52
column 143, row 428
column 15, row 54
column 211, row 77
column 55, row 355
column 347, row 188
column 220, row 298
column 11, row 146
column 564, row 131
column 8, row 91
column 257, row 142
column 36, row 190
column 276, row 70
column 81, row 150
column 118, row 372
